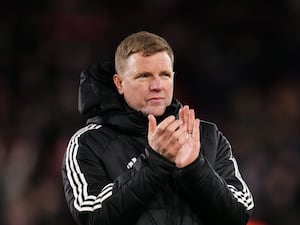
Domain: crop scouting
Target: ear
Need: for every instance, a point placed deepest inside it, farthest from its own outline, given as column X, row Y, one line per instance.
column 118, row 82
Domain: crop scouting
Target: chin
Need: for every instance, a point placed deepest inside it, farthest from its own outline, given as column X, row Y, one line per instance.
column 157, row 112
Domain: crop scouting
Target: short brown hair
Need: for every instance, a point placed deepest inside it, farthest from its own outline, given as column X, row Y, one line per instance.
column 145, row 42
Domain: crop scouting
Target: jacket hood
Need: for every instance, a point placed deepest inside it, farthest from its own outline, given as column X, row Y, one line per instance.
column 97, row 92
column 99, row 101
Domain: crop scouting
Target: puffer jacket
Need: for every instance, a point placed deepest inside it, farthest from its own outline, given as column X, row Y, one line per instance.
column 111, row 176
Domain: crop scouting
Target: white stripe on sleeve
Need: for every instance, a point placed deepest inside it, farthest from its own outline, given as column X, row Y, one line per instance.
column 82, row 200
column 244, row 196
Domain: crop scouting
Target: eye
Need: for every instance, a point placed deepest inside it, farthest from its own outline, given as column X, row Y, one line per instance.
column 167, row 75
column 142, row 76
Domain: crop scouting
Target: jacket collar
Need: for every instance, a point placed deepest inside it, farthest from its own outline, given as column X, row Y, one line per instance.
column 131, row 121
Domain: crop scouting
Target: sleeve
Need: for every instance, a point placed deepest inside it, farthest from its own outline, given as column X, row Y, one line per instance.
column 95, row 199
column 218, row 194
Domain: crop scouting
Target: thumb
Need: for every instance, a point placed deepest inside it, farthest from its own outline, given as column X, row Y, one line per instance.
column 151, row 124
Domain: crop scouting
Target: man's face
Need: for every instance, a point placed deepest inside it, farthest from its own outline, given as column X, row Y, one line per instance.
column 147, row 82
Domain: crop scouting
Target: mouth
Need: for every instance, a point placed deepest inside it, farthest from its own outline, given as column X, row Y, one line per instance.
column 155, row 100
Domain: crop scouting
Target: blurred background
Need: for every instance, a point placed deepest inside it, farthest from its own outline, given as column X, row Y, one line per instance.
column 236, row 62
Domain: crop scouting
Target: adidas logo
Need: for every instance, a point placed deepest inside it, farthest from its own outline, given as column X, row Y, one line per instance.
column 131, row 163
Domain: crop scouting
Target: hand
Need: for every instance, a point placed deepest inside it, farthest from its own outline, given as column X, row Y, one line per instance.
column 168, row 137
column 191, row 147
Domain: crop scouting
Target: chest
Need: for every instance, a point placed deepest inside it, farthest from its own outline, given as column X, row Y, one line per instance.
column 122, row 153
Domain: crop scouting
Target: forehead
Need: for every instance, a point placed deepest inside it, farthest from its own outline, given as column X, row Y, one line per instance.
column 157, row 61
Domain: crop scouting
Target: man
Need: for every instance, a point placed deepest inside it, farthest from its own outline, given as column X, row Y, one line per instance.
column 143, row 158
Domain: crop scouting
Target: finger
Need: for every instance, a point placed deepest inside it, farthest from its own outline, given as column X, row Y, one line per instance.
column 164, row 124
column 181, row 114
column 196, row 130
column 179, row 132
column 191, row 121
column 151, row 124
column 184, row 116
column 174, row 126
column 170, row 137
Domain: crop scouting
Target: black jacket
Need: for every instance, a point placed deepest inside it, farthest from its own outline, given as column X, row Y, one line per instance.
column 111, row 175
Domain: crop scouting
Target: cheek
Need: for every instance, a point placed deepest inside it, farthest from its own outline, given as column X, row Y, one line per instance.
column 135, row 88
column 169, row 94
column 170, row 89
column 135, row 93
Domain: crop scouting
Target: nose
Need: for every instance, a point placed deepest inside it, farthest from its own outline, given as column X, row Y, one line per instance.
column 156, row 85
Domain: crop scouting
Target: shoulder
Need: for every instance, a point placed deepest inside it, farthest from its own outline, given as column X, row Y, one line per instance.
column 85, row 131
column 92, row 135
column 210, row 132
column 208, row 129
column 208, row 125
column 212, row 135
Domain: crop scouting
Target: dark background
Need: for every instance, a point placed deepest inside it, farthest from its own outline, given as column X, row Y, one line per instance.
column 236, row 62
